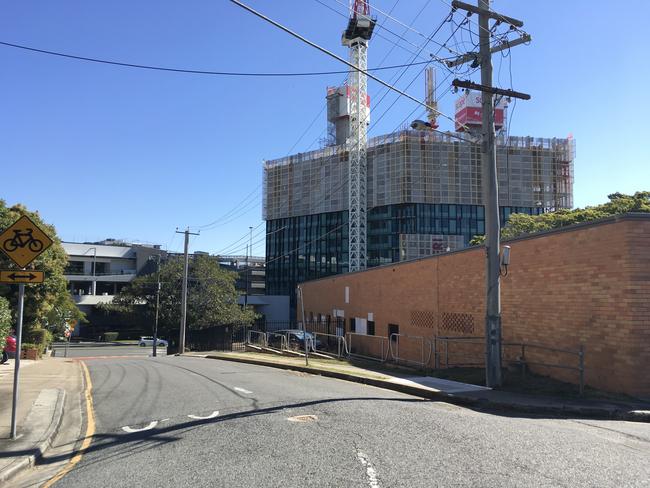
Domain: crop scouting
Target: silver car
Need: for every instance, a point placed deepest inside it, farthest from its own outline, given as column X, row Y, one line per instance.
column 148, row 341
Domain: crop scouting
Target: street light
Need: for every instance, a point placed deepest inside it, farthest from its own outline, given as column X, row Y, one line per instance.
column 94, row 283
column 155, row 327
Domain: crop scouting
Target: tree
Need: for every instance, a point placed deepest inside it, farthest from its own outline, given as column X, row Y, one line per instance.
column 47, row 305
column 212, row 298
column 619, row 203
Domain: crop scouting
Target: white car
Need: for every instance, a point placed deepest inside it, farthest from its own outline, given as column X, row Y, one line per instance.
column 148, row 341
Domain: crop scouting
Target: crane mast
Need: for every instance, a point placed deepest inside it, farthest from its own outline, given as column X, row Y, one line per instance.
column 356, row 37
column 431, row 98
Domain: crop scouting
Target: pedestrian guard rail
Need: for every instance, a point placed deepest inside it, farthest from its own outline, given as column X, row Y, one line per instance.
column 283, row 338
column 422, row 345
column 439, row 352
column 444, row 357
column 330, row 344
column 526, row 361
column 362, row 345
column 257, row 338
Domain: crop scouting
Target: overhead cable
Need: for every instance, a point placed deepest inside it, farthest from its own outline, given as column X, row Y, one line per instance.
column 196, row 71
column 347, row 63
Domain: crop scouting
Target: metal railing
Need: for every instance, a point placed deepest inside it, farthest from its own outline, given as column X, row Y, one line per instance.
column 522, row 360
column 261, row 336
column 120, row 272
column 444, row 342
column 580, row 354
column 383, row 345
column 341, row 344
column 284, row 340
column 425, row 349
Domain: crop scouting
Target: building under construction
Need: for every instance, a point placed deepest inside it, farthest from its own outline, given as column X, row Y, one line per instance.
column 413, row 193
column 424, row 194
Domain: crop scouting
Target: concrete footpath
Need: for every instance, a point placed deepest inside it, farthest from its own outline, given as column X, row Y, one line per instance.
column 464, row 394
column 47, row 388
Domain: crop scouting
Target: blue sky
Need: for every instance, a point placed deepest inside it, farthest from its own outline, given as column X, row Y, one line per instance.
column 104, row 151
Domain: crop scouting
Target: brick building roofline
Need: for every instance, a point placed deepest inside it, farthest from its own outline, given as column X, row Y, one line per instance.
column 569, row 228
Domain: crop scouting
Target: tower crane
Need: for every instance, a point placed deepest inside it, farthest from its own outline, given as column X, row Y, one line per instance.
column 356, row 37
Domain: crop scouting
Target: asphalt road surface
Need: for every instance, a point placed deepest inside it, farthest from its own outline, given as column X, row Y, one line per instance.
column 192, row 422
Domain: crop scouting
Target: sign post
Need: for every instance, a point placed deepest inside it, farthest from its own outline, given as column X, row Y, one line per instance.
column 19, row 334
column 22, row 242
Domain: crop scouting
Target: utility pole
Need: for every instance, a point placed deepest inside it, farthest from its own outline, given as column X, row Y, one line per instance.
column 249, row 249
column 490, row 184
column 181, row 341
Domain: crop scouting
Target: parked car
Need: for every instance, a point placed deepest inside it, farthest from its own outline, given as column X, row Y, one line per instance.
column 295, row 339
column 148, row 341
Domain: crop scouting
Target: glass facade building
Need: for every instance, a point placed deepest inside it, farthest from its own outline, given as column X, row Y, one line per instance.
column 314, row 246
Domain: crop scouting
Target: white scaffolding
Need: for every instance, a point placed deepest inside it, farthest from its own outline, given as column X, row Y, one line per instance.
column 422, row 167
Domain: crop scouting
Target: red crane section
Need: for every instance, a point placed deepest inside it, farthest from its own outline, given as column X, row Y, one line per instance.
column 361, row 7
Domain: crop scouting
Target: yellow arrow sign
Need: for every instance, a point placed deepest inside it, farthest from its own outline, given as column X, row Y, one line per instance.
column 24, row 241
column 21, row 276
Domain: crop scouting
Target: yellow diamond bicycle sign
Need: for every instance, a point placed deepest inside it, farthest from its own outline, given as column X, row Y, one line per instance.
column 24, row 241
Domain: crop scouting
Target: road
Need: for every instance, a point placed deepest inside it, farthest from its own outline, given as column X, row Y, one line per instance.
column 223, row 424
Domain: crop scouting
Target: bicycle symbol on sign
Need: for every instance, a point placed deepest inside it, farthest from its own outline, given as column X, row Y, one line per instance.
column 22, row 239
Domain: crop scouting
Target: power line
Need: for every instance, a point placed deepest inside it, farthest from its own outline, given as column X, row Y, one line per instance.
column 409, row 28
column 306, row 244
column 501, row 19
column 226, row 249
column 416, row 76
column 193, row 71
column 378, row 34
column 231, row 249
column 335, row 56
column 231, row 211
column 394, row 45
column 384, row 113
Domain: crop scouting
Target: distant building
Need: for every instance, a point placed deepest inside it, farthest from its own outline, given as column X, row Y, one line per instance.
column 251, row 286
column 251, row 273
column 97, row 271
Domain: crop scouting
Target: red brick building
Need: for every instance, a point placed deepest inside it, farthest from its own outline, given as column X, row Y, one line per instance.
column 585, row 285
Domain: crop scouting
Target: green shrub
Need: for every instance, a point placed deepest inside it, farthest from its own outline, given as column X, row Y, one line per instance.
column 42, row 337
column 5, row 320
column 30, row 345
column 111, row 336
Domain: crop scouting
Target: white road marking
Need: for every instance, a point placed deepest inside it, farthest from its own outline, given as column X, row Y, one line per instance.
column 130, row 430
column 211, row 416
column 303, row 418
column 242, row 390
column 370, row 471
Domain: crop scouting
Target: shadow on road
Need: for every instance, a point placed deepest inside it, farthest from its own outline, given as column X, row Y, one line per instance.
column 140, row 441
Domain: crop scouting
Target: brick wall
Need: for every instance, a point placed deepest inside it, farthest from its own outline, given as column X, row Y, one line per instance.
column 584, row 285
